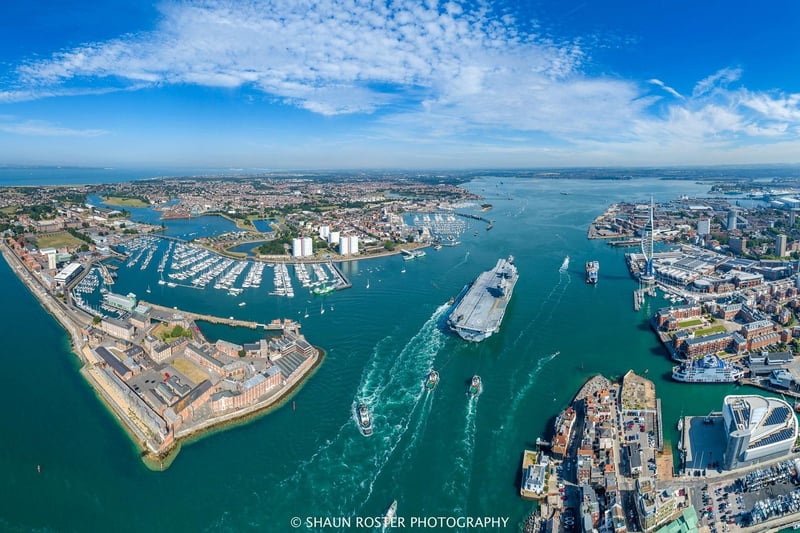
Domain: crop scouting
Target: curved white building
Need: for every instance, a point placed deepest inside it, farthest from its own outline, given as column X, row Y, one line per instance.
column 757, row 428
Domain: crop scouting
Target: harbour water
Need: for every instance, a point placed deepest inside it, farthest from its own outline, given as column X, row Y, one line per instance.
column 438, row 453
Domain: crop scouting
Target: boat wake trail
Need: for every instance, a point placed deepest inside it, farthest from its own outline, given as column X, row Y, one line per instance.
column 460, row 263
column 549, row 302
column 530, row 381
column 463, row 454
column 522, row 209
column 371, row 375
column 391, row 382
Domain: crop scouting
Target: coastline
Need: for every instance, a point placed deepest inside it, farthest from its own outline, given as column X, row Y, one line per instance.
column 163, row 460
column 153, row 458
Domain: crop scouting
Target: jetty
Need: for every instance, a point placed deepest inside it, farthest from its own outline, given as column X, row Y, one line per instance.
column 341, row 280
column 168, row 312
column 489, row 223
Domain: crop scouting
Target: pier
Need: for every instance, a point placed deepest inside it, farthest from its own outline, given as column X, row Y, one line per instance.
column 342, row 281
column 275, row 325
column 489, row 223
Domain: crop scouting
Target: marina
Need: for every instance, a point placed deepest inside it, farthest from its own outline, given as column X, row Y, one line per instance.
column 191, row 266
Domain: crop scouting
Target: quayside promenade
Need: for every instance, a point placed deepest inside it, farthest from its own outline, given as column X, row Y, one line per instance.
column 161, row 378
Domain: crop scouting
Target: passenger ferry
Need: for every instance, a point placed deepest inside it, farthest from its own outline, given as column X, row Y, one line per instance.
column 709, row 369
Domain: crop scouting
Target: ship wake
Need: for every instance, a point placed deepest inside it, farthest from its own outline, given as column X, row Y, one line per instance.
column 391, row 382
column 549, row 302
column 463, row 458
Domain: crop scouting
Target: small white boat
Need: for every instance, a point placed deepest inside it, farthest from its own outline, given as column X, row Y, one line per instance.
column 389, row 514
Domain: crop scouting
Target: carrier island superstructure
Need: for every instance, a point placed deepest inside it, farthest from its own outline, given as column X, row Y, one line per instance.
column 478, row 314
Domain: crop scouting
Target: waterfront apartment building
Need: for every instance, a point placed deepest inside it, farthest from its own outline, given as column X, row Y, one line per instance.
column 695, row 347
column 678, row 313
column 758, row 428
column 728, row 311
column 756, row 328
column 759, row 342
column 348, row 245
column 333, row 237
column 302, row 247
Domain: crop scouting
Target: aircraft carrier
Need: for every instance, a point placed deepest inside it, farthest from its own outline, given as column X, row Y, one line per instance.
column 478, row 314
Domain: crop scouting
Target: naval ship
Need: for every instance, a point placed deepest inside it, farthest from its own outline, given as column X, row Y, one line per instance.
column 480, row 311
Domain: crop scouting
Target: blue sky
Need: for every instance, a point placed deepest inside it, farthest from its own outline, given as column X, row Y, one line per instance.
column 398, row 84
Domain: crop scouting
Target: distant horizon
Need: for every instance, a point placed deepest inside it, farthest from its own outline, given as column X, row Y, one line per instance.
column 429, row 85
column 143, row 167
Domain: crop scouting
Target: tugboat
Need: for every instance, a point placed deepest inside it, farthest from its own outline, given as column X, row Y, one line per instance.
column 364, row 420
column 433, row 380
column 475, row 387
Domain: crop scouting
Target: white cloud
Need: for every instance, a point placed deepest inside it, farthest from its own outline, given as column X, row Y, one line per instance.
column 438, row 71
column 670, row 90
column 719, row 79
column 330, row 56
column 782, row 107
column 9, row 124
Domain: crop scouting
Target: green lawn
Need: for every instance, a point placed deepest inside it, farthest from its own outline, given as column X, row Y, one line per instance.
column 709, row 331
column 690, row 323
column 58, row 240
column 124, row 202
